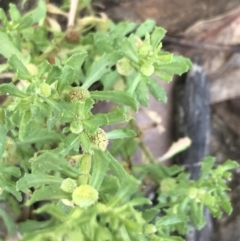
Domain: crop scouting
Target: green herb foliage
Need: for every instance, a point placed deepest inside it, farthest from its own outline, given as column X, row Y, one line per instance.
column 53, row 147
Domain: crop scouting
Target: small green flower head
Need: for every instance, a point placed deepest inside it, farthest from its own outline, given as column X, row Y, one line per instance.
column 192, row 192
column 150, row 229
column 147, row 69
column 144, row 50
column 168, row 185
column 32, row 69
column 124, row 67
column 99, row 139
column 77, row 94
column 76, row 127
column 44, row 90
column 85, row 196
column 68, row 185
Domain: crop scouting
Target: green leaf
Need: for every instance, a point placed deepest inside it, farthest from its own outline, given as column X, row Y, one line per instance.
column 8, row 221
column 36, row 180
column 48, row 162
column 91, row 125
column 44, row 68
column 116, row 96
column 3, row 17
column 11, row 170
column 24, row 130
column 51, row 192
column 116, row 167
column 179, row 65
column 3, row 133
column 128, row 184
column 121, row 133
column 70, row 142
column 7, row 47
column 207, row 166
column 19, row 68
column 38, row 13
column 76, row 61
column 14, row 13
column 125, row 147
column 43, row 136
column 229, row 165
column 54, row 211
column 53, row 74
column 150, row 214
column 164, row 58
column 157, row 36
column 226, row 205
column 99, row 68
column 115, row 116
column 109, row 79
column 129, row 50
column 30, row 226
column 11, row 89
column 164, row 76
column 109, row 185
column 145, row 27
column 122, row 29
column 102, row 43
column 84, row 141
column 142, row 94
column 140, row 201
column 25, row 22
column 67, row 77
column 10, row 187
column 168, row 220
column 196, row 214
column 157, row 90
column 100, row 163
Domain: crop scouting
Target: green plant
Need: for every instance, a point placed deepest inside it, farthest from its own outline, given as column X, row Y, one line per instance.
column 53, row 147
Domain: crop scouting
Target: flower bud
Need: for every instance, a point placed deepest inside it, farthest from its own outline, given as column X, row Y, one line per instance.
column 44, row 90
column 124, row 67
column 167, row 185
column 78, row 94
column 76, row 127
column 68, row 185
column 150, row 229
column 147, row 69
column 99, row 139
column 144, row 50
column 192, row 192
column 85, row 196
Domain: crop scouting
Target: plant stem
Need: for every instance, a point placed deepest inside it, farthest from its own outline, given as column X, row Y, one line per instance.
column 147, row 153
column 85, row 168
column 72, row 12
column 143, row 147
column 134, row 85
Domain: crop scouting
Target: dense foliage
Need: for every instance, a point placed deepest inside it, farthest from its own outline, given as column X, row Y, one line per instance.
column 54, row 149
